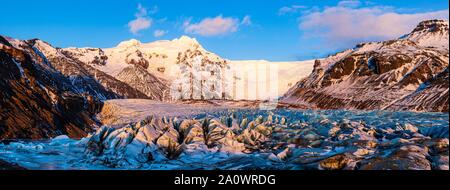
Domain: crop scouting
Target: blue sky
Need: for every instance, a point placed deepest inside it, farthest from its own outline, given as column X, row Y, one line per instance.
column 276, row 30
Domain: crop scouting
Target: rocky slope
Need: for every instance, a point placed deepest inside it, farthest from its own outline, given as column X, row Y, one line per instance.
column 431, row 95
column 146, row 83
column 84, row 76
column 36, row 100
column 409, row 73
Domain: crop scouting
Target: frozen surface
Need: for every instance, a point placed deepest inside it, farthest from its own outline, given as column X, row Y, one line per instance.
column 250, row 139
column 288, row 73
column 123, row 111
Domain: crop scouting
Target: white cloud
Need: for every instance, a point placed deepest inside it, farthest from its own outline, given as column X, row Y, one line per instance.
column 290, row 9
column 247, row 20
column 349, row 3
column 187, row 22
column 159, row 33
column 347, row 24
column 141, row 22
column 142, row 11
column 213, row 26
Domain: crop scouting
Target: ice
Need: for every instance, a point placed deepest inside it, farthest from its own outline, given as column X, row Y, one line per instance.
column 61, row 137
column 289, row 73
column 248, row 139
column 22, row 72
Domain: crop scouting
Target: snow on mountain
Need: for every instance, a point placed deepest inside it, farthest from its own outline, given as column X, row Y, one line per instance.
column 169, row 60
column 129, row 43
column 378, row 75
column 138, row 78
column 157, row 69
column 288, row 73
column 84, row 76
column 431, row 33
column 37, row 101
column 157, row 57
column 163, row 60
column 431, row 95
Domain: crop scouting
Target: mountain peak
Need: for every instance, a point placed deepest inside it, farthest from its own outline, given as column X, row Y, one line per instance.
column 431, row 26
column 430, row 33
column 187, row 39
column 129, row 43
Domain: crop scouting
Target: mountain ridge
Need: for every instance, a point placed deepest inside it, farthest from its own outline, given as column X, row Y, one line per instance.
column 375, row 75
column 37, row 101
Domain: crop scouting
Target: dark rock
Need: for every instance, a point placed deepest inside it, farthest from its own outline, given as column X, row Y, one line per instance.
column 38, row 102
column 10, row 166
column 338, row 162
column 408, row 157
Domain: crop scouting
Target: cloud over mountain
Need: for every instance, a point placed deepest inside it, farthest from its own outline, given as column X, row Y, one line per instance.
column 142, row 20
column 159, row 33
column 349, row 23
column 290, row 9
column 216, row 26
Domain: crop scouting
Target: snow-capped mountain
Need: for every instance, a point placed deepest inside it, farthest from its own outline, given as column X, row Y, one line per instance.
column 84, row 76
column 148, row 70
column 409, row 73
column 172, row 62
column 148, row 67
column 430, row 33
column 157, row 57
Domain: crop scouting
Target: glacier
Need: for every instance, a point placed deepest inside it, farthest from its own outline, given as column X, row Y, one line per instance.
column 239, row 139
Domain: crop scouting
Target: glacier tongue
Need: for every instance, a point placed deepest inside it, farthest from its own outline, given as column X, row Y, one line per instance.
column 251, row 139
